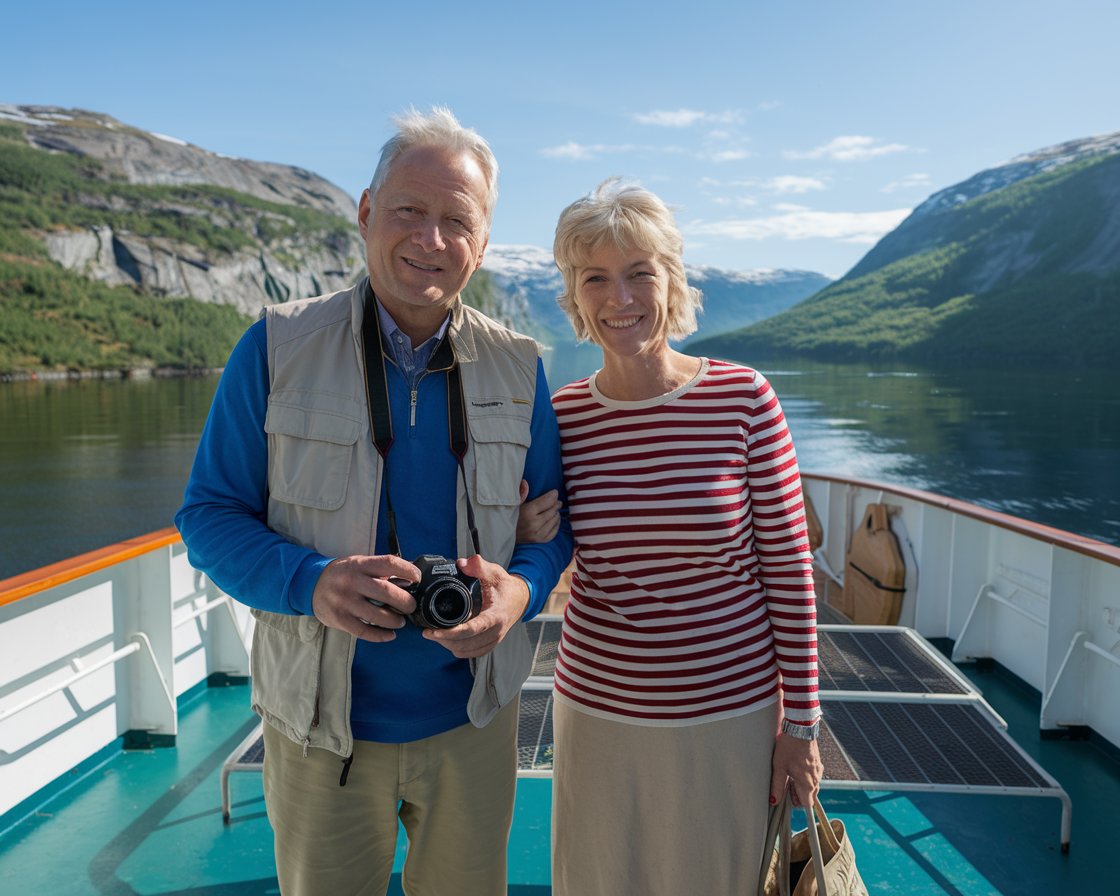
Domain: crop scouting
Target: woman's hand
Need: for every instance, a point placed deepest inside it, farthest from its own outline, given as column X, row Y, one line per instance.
column 797, row 763
column 539, row 520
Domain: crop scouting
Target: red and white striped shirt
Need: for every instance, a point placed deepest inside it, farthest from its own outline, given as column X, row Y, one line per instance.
column 692, row 597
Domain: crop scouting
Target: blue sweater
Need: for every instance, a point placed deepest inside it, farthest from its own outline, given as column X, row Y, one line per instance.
column 408, row 688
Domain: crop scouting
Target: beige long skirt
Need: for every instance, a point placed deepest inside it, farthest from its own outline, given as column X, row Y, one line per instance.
column 653, row 811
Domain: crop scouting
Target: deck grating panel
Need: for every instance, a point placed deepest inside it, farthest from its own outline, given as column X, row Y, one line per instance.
column 544, row 638
column 880, row 661
column 949, row 745
column 534, row 731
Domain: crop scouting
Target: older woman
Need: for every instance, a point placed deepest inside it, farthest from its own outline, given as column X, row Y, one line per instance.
column 685, row 690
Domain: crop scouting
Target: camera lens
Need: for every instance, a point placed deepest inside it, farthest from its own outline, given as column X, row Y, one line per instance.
column 450, row 604
column 445, row 597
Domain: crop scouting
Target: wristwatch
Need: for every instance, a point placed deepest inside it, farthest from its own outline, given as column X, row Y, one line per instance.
column 802, row 732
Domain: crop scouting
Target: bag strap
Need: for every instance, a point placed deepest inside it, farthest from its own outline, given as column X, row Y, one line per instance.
column 833, row 842
column 777, row 830
column 818, row 857
column 820, row 822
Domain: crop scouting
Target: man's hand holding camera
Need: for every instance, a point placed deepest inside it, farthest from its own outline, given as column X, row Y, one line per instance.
column 369, row 597
column 355, row 594
column 504, row 599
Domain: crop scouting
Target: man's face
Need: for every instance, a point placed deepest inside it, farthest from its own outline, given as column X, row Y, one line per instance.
column 425, row 232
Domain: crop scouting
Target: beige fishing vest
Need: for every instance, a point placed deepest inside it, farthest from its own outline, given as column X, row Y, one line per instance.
column 324, row 482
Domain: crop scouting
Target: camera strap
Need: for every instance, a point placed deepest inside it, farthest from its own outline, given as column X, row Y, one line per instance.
column 380, row 417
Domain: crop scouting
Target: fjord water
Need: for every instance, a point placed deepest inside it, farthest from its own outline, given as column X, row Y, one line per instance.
column 84, row 464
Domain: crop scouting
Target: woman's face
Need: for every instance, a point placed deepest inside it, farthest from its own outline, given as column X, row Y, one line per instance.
column 623, row 296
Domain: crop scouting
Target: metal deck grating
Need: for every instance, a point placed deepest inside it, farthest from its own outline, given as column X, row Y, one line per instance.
column 544, row 637
column 881, row 660
column 534, row 731
column 938, row 744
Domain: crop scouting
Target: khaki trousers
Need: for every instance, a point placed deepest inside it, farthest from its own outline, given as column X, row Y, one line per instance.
column 453, row 793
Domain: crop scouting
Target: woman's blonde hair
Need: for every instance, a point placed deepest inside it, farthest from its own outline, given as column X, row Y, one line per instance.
column 629, row 217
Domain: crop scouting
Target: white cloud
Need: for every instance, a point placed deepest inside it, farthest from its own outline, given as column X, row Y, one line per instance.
column 725, row 155
column 582, row 152
column 791, row 183
column 910, row 182
column 683, row 118
column 849, row 149
column 798, row 223
column 780, row 185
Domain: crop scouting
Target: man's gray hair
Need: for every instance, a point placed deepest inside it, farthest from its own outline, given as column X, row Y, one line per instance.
column 439, row 128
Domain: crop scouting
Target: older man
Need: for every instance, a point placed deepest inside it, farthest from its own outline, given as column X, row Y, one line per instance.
column 350, row 434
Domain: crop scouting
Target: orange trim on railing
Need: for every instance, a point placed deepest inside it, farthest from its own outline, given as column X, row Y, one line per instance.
column 28, row 583
column 1079, row 544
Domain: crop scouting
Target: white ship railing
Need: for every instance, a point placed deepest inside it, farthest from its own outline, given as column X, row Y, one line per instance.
column 67, row 631
column 1043, row 603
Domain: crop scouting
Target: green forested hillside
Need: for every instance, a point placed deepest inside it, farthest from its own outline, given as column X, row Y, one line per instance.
column 54, row 320
column 1029, row 272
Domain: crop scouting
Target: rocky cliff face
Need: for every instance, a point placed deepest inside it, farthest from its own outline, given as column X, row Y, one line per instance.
column 299, row 232
column 246, row 279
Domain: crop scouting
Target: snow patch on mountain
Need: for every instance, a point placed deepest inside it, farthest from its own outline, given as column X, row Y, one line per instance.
column 1019, row 168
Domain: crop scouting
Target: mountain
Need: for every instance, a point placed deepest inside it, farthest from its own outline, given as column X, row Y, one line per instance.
column 1020, row 263
column 731, row 298
column 131, row 208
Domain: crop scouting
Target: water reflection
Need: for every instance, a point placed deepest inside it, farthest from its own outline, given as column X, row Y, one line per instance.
column 1027, row 442
column 85, row 464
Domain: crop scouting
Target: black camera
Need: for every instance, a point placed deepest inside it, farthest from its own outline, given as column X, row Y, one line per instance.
column 444, row 596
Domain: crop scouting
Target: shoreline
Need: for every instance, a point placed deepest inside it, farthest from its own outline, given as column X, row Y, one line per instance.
column 125, row 373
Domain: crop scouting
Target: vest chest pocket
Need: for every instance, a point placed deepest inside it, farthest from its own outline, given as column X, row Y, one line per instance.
column 311, row 446
column 499, row 443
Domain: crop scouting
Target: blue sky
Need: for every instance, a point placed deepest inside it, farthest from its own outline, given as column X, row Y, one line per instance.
column 786, row 135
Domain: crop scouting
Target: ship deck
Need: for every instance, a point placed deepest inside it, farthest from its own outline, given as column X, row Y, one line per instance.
column 150, row 821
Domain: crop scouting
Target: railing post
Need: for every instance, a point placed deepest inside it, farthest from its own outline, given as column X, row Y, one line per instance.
column 147, row 599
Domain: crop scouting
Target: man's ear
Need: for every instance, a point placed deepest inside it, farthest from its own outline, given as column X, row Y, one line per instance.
column 482, row 252
column 363, row 213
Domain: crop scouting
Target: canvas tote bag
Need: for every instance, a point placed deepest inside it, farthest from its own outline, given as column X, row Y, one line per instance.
column 818, row 861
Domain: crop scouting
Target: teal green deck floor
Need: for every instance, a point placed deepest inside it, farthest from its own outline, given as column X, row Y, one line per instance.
column 149, row 822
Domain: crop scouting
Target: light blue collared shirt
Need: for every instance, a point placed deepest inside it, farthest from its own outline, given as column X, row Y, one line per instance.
column 412, row 361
